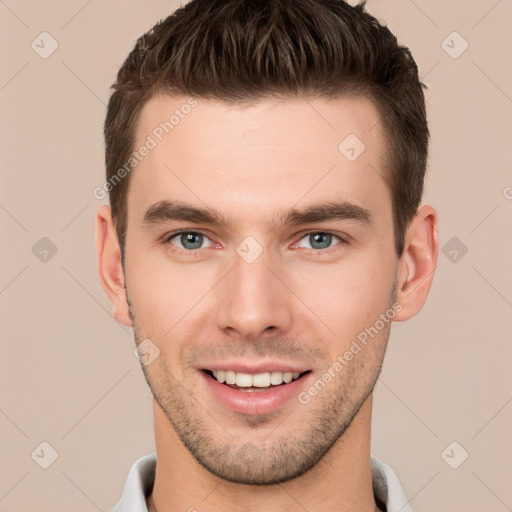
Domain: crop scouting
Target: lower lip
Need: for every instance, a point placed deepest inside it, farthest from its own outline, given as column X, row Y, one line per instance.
column 254, row 402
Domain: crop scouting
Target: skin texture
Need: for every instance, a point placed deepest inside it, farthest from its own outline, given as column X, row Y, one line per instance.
column 299, row 302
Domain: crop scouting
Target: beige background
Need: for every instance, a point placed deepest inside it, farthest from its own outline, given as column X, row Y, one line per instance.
column 68, row 375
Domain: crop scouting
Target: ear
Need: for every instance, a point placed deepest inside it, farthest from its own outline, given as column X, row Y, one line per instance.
column 108, row 259
column 417, row 263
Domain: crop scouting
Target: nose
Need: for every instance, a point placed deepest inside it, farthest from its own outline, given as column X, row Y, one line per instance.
column 253, row 300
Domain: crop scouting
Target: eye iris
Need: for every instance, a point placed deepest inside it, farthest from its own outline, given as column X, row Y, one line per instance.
column 323, row 238
column 187, row 238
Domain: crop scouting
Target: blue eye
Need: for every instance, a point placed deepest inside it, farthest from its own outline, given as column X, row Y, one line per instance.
column 319, row 240
column 189, row 240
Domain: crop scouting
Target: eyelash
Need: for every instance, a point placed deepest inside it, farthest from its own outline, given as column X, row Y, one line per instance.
column 170, row 236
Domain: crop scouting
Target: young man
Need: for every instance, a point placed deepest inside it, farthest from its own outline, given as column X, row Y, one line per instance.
column 265, row 165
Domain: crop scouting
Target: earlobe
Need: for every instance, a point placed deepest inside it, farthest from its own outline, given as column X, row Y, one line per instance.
column 108, row 260
column 418, row 263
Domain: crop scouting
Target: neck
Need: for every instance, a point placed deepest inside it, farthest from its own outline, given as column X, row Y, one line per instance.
column 340, row 482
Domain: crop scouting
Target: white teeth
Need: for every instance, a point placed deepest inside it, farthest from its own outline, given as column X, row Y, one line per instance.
column 258, row 380
column 276, row 378
column 261, row 380
column 230, row 377
column 244, row 380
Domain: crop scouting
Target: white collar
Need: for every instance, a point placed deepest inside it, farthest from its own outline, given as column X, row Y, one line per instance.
column 386, row 486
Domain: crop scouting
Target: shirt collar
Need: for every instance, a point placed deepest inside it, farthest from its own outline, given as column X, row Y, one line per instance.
column 387, row 489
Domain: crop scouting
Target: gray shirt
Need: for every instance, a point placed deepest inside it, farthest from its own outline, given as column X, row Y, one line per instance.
column 387, row 489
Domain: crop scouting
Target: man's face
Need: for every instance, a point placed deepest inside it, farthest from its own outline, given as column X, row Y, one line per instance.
column 260, row 293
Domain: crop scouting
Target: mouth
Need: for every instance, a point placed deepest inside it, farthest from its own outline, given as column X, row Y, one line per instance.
column 254, row 393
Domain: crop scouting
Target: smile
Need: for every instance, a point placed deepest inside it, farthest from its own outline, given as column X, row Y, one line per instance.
column 254, row 393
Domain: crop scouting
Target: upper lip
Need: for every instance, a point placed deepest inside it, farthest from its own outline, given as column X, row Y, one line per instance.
column 256, row 367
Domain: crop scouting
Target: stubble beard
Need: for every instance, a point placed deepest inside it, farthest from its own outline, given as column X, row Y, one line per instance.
column 294, row 441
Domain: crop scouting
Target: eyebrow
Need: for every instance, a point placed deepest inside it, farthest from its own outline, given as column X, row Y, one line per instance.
column 166, row 210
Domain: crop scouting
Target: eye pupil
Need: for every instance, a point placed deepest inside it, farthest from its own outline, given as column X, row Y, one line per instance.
column 324, row 239
column 187, row 238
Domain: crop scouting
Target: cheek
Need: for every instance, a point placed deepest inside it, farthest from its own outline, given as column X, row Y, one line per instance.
column 349, row 297
column 166, row 296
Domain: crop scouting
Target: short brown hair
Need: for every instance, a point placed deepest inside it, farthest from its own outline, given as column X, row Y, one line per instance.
column 243, row 51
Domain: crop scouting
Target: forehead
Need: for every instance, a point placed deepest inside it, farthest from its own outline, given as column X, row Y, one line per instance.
column 261, row 158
